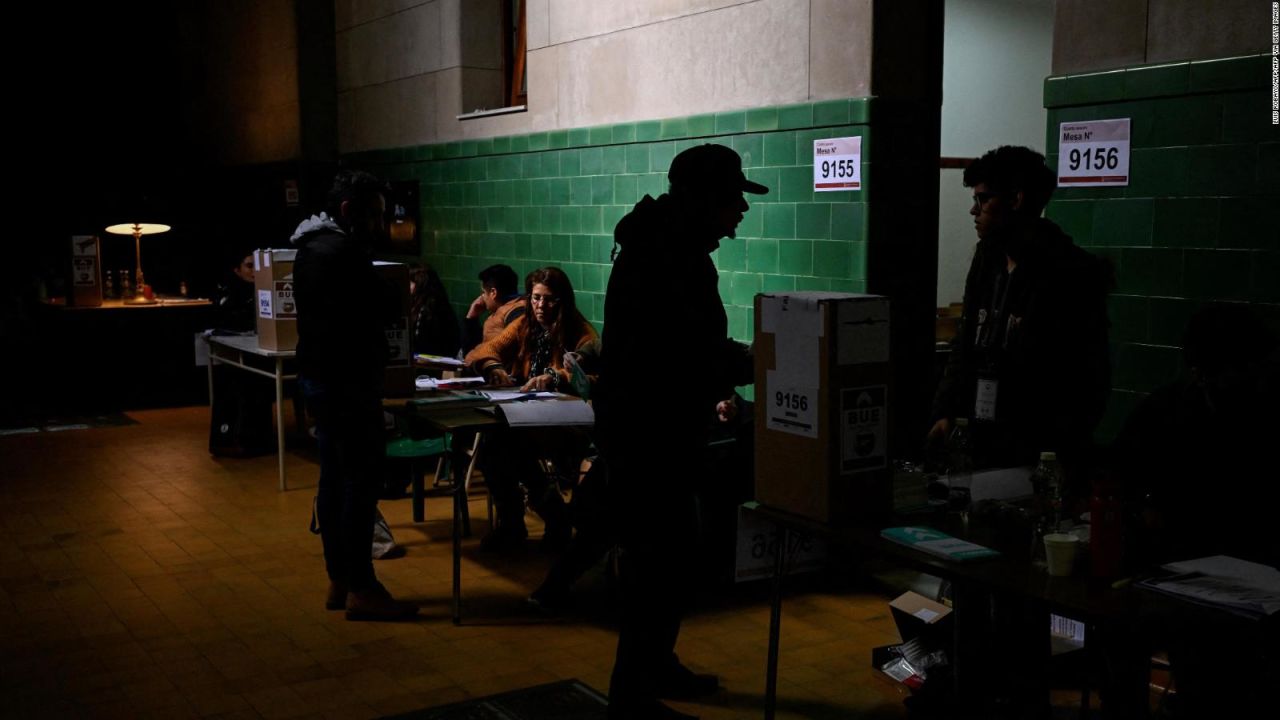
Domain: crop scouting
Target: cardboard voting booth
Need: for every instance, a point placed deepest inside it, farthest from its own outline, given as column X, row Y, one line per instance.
column 822, row 399
column 277, row 314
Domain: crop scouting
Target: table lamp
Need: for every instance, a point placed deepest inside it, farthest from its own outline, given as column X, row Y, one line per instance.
column 137, row 230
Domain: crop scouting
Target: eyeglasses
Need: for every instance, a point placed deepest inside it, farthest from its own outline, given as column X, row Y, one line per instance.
column 543, row 299
column 982, row 198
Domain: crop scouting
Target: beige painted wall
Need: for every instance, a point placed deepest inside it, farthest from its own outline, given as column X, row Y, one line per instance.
column 406, row 69
column 240, row 57
column 1090, row 35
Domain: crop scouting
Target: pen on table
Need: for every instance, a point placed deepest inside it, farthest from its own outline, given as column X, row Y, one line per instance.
column 1122, row 582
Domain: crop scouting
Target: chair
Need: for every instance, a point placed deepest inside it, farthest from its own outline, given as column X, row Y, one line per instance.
column 440, row 447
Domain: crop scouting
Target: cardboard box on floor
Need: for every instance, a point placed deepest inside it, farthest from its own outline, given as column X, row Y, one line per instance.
column 822, row 393
column 917, row 616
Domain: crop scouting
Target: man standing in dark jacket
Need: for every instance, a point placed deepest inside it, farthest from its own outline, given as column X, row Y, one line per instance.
column 663, row 300
column 343, row 308
column 1030, row 365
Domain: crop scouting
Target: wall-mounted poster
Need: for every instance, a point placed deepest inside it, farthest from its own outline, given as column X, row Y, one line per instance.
column 402, row 220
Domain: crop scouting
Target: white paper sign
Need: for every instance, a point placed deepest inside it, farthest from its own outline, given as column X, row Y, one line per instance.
column 791, row 409
column 265, row 308
column 837, row 164
column 757, row 549
column 1093, row 154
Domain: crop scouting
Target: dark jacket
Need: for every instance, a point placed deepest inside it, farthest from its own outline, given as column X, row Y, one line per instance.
column 343, row 308
column 1041, row 331
column 237, row 306
column 666, row 354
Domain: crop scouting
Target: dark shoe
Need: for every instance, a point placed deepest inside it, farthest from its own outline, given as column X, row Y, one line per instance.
column 681, row 683
column 645, row 710
column 550, row 601
column 337, row 597
column 507, row 536
column 378, row 605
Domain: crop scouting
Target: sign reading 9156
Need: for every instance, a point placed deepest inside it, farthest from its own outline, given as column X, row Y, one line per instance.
column 1093, row 154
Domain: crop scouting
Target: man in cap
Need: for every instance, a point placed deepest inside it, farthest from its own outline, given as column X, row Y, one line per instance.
column 663, row 299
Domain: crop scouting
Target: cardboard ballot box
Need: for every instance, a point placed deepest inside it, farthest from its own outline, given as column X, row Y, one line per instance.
column 400, row 370
column 277, row 314
column 822, row 398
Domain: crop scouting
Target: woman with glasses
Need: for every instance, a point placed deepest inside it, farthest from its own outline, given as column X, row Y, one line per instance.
column 529, row 353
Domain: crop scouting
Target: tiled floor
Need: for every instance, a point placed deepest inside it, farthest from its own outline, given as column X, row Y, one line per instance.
column 141, row 578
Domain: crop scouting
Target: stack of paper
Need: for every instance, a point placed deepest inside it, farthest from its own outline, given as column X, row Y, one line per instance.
column 1234, row 585
column 547, row 412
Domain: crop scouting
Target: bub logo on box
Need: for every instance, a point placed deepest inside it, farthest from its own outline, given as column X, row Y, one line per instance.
column 863, row 432
column 284, row 299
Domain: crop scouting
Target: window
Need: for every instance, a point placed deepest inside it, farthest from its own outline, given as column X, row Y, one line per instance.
column 516, row 81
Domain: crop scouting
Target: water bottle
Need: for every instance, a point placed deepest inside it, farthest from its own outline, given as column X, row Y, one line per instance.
column 960, row 462
column 108, row 286
column 1046, row 483
column 126, row 285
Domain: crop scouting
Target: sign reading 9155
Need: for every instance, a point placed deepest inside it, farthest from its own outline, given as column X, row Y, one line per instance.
column 837, row 164
column 1093, row 154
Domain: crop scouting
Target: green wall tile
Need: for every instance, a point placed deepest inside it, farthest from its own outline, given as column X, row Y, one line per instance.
column 813, row 220
column 793, row 117
column 1186, row 223
column 1249, row 223
column 779, row 148
column 1095, row 88
column 795, row 184
column 558, row 139
column 1244, row 119
column 1167, row 319
column 732, row 255
column 1156, row 80
column 648, row 130
column 745, row 286
column 615, row 160
column 1151, row 271
column 751, row 148
column 795, row 257
column 779, row 221
column 1124, row 223
column 591, row 161
column 579, row 137
column 848, row 221
column 833, row 259
column 1218, row 274
column 731, row 122
column 1158, row 172
column 1222, row 169
column 762, row 119
column 539, row 141
column 831, row 112
column 601, row 135
column 660, row 156
column 1075, row 218
column 626, row 188
column 762, row 256
column 624, row 133
column 1185, row 121
column 637, row 158
column 1128, row 315
column 570, row 163
column 1228, row 74
column 1264, row 286
column 700, row 126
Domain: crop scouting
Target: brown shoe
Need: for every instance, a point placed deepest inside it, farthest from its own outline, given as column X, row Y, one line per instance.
column 377, row 604
column 337, row 597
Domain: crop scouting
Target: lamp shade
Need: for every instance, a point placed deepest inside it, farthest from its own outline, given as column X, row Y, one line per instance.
column 137, row 229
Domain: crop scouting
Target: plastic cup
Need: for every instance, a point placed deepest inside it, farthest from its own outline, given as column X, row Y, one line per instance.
column 1060, row 551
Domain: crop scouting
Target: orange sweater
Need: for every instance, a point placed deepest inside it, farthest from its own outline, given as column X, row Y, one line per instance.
column 512, row 351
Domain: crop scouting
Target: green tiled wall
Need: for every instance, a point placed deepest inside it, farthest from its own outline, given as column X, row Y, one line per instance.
column 553, row 198
column 1197, row 221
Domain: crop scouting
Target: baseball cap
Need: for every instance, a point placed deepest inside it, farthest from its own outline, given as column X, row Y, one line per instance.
column 711, row 167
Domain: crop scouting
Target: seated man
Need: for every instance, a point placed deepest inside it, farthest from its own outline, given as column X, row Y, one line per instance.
column 500, row 298
column 529, row 353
